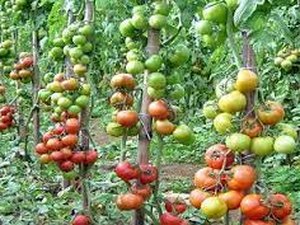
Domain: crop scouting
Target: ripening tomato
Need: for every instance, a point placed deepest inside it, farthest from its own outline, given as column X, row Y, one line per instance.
column 253, row 207
column 145, row 190
column 232, row 198
column 41, row 149
column 258, row 222
column 262, row 146
column 214, row 208
column 251, row 127
column 159, row 110
column 148, row 174
column 242, row 178
column 54, row 144
column 271, row 113
column 91, row 157
column 57, row 156
column 164, row 127
column 222, row 123
column 288, row 221
column 45, row 159
column 206, row 178
column 127, row 118
column 123, row 80
column 126, row 171
column 197, row 196
column 72, row 126
column 120, row 99
column 69, row 140
column 129, row 201
column 246, row 81
column 78, row 157
column 217, row 155
column 281, row 207
column 232, row 102
column 67, row 153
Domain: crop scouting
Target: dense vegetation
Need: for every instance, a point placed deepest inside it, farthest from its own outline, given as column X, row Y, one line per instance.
column 99, row 98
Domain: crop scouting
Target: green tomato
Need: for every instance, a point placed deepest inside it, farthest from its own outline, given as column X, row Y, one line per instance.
column 278, row 61
column 158, row 21
column 288, row 129
column 126, row 28
column 262, row 146
column 82, row 101
column 238, row 142
column 162, row 8
column 139, row 22
column 115, row 129
column 79, row 40
column 210, row 109
column 74, row 110
column 177, row 92
column 135, row 67
column 157, row 80
column 58, row 42
column 184, row 135
column 87, row 30
column 222, row 123
column 215, row 12
column 232, row 4
column 180, row 55
column 232, row 102
column 286, row 65
column 285, row 144
column 56, row 53
column 204, row 27
column 76, row 53
column 154, row 63
column 155, row 93
column 64, row 102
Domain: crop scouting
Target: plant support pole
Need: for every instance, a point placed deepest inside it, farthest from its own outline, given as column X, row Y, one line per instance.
column 152, row 48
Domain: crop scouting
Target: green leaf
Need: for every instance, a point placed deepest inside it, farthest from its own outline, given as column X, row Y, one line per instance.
column 245, row 10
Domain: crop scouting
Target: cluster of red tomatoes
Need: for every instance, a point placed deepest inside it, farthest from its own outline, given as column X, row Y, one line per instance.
column 60, row 146
column 141, row 190
column 125, row 119
column 23, row 70
column 6, row 117
column 222, row 186
column 174, row 209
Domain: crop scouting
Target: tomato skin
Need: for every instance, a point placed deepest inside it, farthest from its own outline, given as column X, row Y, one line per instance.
column 285, row 144
column 281, row 206
column 213, row 208
column 127, row 118
column 164, row 127
column 262, row 146
column 126, row 171
column 206, row 178
column 159, row 110
column 271, row 113
column 197, row 196
column 81, row 220
column 243, row 177
column 253, row 207
column 251, row 127
column 232, row 198
column 233, row 102
column 258, row 222
column 145, row 191
column 169, row 219
column 246, row 81
column 148, row 174
column 129, row 201
column 216, row 155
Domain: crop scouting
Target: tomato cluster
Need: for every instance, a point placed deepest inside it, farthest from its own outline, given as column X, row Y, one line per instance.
column 6, row 117
column 140, row 191
column 7, row 56
column 232, row 101
column 287, row 58
column 174, row 209
column 74, row 43
column 222, row 186
column 212, row 26
column 161, row 88
column 65, row 95
column 60, row 146
column 23, row 69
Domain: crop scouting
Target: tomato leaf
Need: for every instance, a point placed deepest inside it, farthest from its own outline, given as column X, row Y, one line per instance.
column 245, row 10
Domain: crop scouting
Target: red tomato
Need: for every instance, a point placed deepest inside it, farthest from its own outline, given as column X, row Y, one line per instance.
column 126, row 171
column 149, row 173
column 280, row 205
column 206, row 178
column 129, row 201
column 242, row 178
column 253, row 207
column 169, row 219
column 271, row 113
column 217, row 155
column 197, row 196
column 258, row 222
